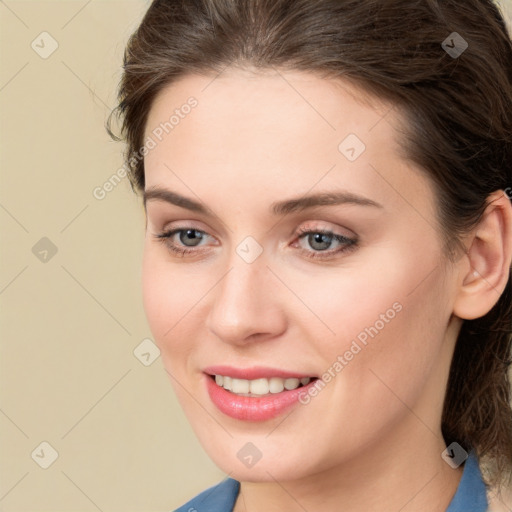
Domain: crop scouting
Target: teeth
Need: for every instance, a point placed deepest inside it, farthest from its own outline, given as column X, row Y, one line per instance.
column 259, row 386
column 240, row 386
column 291, row 383
column 276, row 385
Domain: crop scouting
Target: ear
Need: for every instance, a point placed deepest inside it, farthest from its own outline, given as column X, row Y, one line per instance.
column 485, row 269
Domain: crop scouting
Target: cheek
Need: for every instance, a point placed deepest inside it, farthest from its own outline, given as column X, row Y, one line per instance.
column 172, row 303
column 349, row 302
column 164, row 296
column 153, row 286
column 393, row 335
column 390, row 316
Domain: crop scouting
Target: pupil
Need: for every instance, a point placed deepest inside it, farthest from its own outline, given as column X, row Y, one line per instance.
column 190, row 236
column 321, row 238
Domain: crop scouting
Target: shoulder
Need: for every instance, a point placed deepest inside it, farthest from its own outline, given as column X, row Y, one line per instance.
column 218, row 498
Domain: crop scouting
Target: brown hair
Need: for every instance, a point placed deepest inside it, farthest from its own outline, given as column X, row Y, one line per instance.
column 458, row 113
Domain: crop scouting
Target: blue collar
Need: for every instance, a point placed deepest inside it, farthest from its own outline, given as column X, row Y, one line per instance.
column 470, row 494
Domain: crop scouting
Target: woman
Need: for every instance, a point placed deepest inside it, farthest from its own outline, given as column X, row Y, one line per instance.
column 327, row 188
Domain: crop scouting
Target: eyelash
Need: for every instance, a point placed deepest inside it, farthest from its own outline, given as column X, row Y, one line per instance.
column 350, row 244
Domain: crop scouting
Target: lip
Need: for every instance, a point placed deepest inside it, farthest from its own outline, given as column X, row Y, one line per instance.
column 256, row 372
column 250, row 408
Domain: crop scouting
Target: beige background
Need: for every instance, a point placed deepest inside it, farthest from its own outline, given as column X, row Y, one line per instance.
column 70, row 321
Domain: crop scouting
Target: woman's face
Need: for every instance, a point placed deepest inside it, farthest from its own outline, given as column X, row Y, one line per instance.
column 255, row 299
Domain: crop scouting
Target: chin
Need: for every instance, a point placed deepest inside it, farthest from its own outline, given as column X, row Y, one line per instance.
column 258, row 461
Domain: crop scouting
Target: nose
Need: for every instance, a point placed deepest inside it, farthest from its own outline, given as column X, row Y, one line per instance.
column 246, row 304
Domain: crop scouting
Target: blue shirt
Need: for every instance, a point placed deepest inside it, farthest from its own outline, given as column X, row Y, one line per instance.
column 471, row 494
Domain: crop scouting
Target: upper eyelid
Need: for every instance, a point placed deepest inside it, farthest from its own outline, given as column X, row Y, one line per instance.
column 303, row 227
column 301, row 216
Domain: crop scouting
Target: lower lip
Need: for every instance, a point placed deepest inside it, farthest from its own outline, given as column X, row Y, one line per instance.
column 253, row 408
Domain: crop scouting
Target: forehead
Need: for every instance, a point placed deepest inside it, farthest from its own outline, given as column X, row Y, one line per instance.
column 277, row 114
column 253, row 133
column 270, row 97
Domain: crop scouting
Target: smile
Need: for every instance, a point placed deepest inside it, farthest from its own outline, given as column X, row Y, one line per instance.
column 258, row 398
column 259, row 387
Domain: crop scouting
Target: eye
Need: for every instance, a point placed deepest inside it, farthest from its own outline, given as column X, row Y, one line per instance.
column 186, row 235
column 318, row 239
column 321, row 239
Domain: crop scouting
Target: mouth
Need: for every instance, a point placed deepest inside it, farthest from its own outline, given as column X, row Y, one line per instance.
column 264, row 386
column 257, row 399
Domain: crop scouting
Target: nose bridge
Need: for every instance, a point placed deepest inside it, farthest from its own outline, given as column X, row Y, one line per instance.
column 245, row 301
column 244, row 285
column 248, row 273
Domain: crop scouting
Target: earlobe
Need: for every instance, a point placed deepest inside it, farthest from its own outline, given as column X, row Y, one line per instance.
column 485, row 270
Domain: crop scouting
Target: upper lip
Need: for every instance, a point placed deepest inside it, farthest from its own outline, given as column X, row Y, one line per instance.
column 255, row 372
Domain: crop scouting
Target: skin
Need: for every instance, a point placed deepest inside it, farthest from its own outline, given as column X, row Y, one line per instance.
column 371, row 439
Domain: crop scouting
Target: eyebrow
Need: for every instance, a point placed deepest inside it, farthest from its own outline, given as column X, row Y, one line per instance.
column 278, row 208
